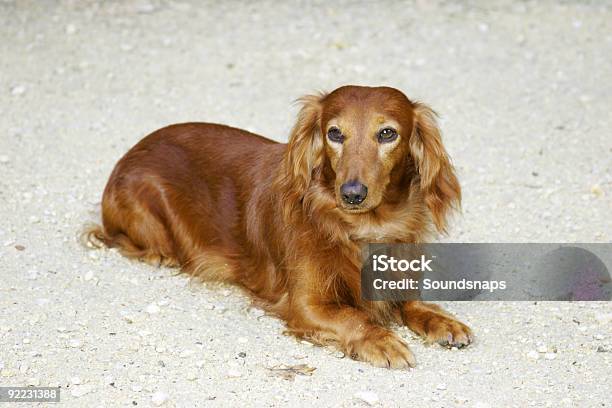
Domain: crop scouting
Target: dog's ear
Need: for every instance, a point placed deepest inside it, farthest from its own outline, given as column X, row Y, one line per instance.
column 438, row 182
column 304, row 152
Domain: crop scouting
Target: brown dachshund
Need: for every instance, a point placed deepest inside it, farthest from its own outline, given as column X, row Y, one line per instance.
column 288, row 221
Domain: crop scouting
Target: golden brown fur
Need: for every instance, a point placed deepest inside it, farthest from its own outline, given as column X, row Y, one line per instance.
column 227, row 205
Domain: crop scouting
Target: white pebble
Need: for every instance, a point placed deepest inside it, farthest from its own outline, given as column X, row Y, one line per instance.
column 233, row 373
column 26, row 341
column 369, row 397
column 34, row 381
column 80, row 390
column 152, row 309
column 89, row 276
column 256, row 312
column 441, row 386
column 4, row 159
column 243, row 340
column 550, row 356
column 75, row 380
column 18, row 90
column 159, row 398
column 534, row 355
column 603, row 318
column 542, row 349
column 192, row 376
column 75, row 343
column 599, row 337
column 71, row 29
column 136, row 388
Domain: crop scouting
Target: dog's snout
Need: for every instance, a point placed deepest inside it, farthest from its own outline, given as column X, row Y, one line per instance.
column 353, row 192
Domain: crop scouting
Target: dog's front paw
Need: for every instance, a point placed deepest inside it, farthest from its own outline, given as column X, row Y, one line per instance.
column 442, row 329
column 382, row 348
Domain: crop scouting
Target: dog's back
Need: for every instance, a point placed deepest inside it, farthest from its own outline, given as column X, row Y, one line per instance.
column 180, row 193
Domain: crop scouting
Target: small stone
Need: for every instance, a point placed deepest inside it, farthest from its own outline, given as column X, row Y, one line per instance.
column 152, row 309
column 200, row 363
column 71, row 29
column 88, row 276
column 256, row 312
column 33, row 381
column 243, row 340
column 145, row 7
column 441, row 386
column 4, row 159
column 159, row 398
column 542, row 349
column 534, row 355
column 75, row 380
column 234, row 373
column 597, row 337
column 160, row 349
column 75, row 343
column 550, row 356
column 603, row 318
column 136, row 388
column 6, row 372
column 80, row 390
column 369, row 397
column 596, row 190
column 18, row 90
column 191, row 376
column 26, row 341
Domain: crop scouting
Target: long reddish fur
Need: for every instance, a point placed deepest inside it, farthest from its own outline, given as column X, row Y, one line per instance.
column 227, row 205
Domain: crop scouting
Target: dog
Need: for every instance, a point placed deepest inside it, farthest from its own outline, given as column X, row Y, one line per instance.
column 287, row 222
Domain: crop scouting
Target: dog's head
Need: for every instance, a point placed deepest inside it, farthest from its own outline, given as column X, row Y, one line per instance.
column 369, row 145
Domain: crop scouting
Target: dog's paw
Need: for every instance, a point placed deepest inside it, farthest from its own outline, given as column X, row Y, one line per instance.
column 382, row 348
column 445, row 330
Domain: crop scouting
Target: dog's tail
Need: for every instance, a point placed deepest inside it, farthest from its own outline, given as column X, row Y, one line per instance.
column 94, row 236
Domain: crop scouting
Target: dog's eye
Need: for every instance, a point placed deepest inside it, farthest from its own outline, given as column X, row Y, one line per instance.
column 387, row 135
column 335, row 135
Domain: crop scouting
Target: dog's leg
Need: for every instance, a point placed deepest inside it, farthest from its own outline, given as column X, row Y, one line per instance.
column 435, row 325
column 352, row 331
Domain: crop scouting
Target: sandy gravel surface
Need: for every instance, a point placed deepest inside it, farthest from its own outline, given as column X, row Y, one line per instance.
column 525, row 94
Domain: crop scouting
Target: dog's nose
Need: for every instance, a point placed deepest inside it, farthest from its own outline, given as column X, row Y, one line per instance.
column 353, row 192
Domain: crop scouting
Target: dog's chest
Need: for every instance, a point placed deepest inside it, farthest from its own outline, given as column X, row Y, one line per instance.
column 372, row 233
column 391, row 226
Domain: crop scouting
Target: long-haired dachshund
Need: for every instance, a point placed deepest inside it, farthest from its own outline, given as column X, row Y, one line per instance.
column 288, row 221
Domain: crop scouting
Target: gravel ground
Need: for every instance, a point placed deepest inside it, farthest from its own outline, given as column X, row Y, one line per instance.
column 525, row 94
